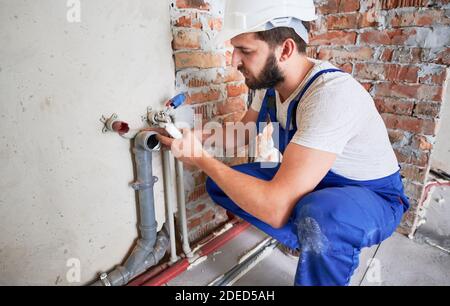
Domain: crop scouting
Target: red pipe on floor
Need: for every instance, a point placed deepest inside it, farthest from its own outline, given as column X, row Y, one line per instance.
column 429, row 186
column 424, row 197
column 182, row 265
column 168, row 274
column 148, row 275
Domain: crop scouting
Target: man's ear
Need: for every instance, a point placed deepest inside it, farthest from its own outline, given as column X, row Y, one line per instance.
column 287, row 49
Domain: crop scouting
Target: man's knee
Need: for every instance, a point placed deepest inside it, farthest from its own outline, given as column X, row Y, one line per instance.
column 329, row 220
column 318, row 222
column 311, row 226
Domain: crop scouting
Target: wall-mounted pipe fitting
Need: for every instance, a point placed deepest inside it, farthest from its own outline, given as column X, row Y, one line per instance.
column 108, row 122
column 157, row 117
column 115, row 125
column 163, row 120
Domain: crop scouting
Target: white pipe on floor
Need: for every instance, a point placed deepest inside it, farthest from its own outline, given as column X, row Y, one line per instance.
column 246, row 263
column 433, row 244
column 258, row 257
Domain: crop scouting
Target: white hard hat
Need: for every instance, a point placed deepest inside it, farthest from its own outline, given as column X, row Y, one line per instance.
column 246, row 16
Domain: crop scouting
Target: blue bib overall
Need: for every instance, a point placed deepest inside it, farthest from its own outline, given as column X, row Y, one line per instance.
column 334, row 222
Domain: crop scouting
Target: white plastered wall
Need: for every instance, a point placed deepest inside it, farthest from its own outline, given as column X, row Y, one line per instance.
column 440, row 157
column 64, row 186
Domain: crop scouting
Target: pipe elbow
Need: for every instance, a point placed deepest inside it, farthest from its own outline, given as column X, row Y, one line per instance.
column 147, row 141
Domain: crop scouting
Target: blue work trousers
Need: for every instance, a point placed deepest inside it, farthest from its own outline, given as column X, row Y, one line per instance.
column 331, row 224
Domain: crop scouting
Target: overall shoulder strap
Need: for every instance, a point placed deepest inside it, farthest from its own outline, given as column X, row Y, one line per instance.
column 268, row 106
column 293, row 107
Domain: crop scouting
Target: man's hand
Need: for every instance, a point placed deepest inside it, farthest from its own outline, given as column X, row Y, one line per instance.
column 160, row 131
column 189, row 149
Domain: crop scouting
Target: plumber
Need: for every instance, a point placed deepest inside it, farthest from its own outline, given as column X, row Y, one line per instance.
column 338, row 188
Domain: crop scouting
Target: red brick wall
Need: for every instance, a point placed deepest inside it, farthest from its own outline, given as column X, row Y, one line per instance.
column 399, row 50
column 215, row 90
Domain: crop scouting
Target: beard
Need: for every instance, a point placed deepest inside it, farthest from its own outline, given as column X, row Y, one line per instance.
column 270, row 76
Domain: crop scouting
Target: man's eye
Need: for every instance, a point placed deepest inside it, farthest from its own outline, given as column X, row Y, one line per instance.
column 246, row 51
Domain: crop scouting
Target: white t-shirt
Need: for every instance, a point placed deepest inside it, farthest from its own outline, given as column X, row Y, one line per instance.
column 338, row 115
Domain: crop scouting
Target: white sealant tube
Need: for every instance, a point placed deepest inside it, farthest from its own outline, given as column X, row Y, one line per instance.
column 173, row 131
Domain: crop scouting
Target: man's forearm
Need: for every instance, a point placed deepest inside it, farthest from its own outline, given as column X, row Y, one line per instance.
column 251, row 194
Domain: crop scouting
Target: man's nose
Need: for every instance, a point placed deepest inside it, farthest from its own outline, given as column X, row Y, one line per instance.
column 236, row 60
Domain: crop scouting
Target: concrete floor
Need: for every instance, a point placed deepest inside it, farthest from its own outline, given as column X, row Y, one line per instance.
column 437, row 226
column 397, row 261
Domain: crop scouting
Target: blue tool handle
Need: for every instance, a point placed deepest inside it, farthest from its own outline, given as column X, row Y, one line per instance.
column 177, row 101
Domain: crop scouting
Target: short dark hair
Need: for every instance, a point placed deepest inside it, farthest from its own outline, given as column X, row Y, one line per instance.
column 277, row 36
